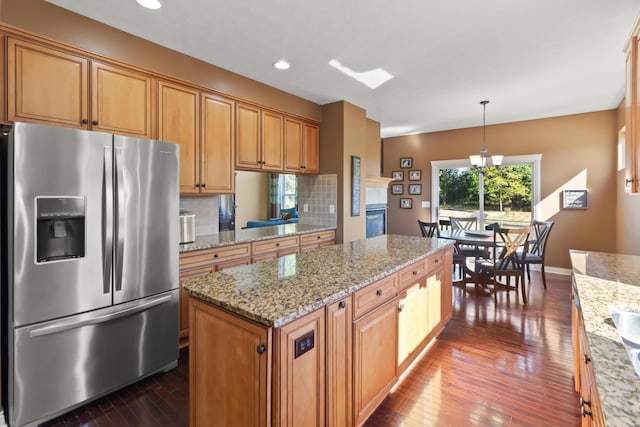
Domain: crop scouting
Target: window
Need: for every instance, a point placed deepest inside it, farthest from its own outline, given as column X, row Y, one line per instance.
column 511, row 191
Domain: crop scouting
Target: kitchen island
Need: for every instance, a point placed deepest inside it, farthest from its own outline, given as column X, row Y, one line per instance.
column 314, row 338
column 608, row 385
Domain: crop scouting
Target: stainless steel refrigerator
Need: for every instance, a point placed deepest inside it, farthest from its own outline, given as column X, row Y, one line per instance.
column 89, row 266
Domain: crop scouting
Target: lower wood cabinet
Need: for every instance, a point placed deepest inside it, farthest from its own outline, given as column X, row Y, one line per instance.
column 299, row 372
column 229, row 369
column 339, row 363
column 264, row 250
column 330, row 367
column 585, row 380
column 374, row 359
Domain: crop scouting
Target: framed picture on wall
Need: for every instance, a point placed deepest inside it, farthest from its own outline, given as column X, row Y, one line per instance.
column 415, row 175
column 397, row 175
column 415, row 188
column 406, row 203
column 406, row 162
column 397, row 189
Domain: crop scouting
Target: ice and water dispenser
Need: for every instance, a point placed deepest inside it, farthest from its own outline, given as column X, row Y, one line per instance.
column 60, row 228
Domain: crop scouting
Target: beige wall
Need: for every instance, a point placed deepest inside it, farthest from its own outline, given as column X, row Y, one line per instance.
column 578, row 151
column 343, row 134
column 61, row 25
column 374, row 161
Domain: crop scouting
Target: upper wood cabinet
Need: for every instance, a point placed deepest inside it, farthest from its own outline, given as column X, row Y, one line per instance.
column 217, row 130
column 301, row 147
column 632, row 110
column 121, row 101
column 58, row 96
column 205, row 134
column 178, row 121
column 3, row 105
column 259, row 137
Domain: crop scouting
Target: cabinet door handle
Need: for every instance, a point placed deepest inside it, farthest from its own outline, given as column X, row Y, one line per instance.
column 342, row 304
column 261, row 348
column 436, row 261
column 400, row 307
column 277, row 244
column 587, row 359
column 584, row 402
column 318, row 237
column 586, row 412
column 216, row 255
column 95, row 123
column 85, row 121
column 379, row 292
column 415, row 273
column 203, row 185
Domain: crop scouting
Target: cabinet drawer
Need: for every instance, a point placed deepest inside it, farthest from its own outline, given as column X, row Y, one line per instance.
column 435, row 261
column 319, row 237
column 212, row 256
column 412, row 273
column 272, row 245
column 375, row 294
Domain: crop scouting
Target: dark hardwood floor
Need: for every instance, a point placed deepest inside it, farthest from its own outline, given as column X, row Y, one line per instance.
column 494, row 365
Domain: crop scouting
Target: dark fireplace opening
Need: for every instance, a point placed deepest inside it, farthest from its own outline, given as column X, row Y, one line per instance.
column 376, row 220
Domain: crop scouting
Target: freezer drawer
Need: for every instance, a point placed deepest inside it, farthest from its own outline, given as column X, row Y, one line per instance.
column 63, row 363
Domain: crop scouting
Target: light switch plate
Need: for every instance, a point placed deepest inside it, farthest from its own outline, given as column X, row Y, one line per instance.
column 426, row 204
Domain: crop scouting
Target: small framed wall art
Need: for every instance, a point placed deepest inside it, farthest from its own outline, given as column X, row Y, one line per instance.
column 415, row 188
column 406, row 203
column 397, row 189
column 415, row 175
column 397, row 175
column 406, row 162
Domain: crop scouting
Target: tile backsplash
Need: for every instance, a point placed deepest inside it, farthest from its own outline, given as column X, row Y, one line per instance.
column 319, row 193
column 206, row 210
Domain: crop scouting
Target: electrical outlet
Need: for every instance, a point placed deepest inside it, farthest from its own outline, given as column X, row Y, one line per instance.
column 332, row 209
column 305, row 208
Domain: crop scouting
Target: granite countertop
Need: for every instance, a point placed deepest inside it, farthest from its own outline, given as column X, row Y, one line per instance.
column 603, row 280
column 276, row 292
column 247, row 235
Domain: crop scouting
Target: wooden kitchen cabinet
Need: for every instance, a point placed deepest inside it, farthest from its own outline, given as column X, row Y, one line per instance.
column 3, row 94
column 311, row 241
column 585, row 381
column 311, row 147
column 339, row 363
column 58, row 96
column 233, row 354
column 299, row 372
column 301, row 147
column 217, row 130
column 121, row 101
column 264, row 250
column 199, row 263
column 179, row 122
column 258, row 139
column 412, row 323
column 205, row 136
column 374, row 359
column 632, row 110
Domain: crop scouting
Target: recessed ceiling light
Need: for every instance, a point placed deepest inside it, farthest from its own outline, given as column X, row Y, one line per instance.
column 150, row 4
column 372, row 78
column 281, row 65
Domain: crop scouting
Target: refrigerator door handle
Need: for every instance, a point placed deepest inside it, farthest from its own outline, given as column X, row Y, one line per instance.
column 107, row 219
column 120, row 222
column 66, row 325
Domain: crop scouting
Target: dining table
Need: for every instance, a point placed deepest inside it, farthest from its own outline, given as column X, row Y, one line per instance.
column 478, row 238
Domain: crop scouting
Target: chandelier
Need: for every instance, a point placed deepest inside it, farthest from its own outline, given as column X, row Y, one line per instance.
column 481, row 160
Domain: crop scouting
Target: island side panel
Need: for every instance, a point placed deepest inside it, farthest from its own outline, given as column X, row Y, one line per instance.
column 229, row 368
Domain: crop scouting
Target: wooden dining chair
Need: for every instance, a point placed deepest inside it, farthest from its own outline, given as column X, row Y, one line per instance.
column 535, row 254
column 429, row 229
column 506, row 261
column 464, row 223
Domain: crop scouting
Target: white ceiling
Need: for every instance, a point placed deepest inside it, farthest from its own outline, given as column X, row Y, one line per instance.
column 530, row 58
